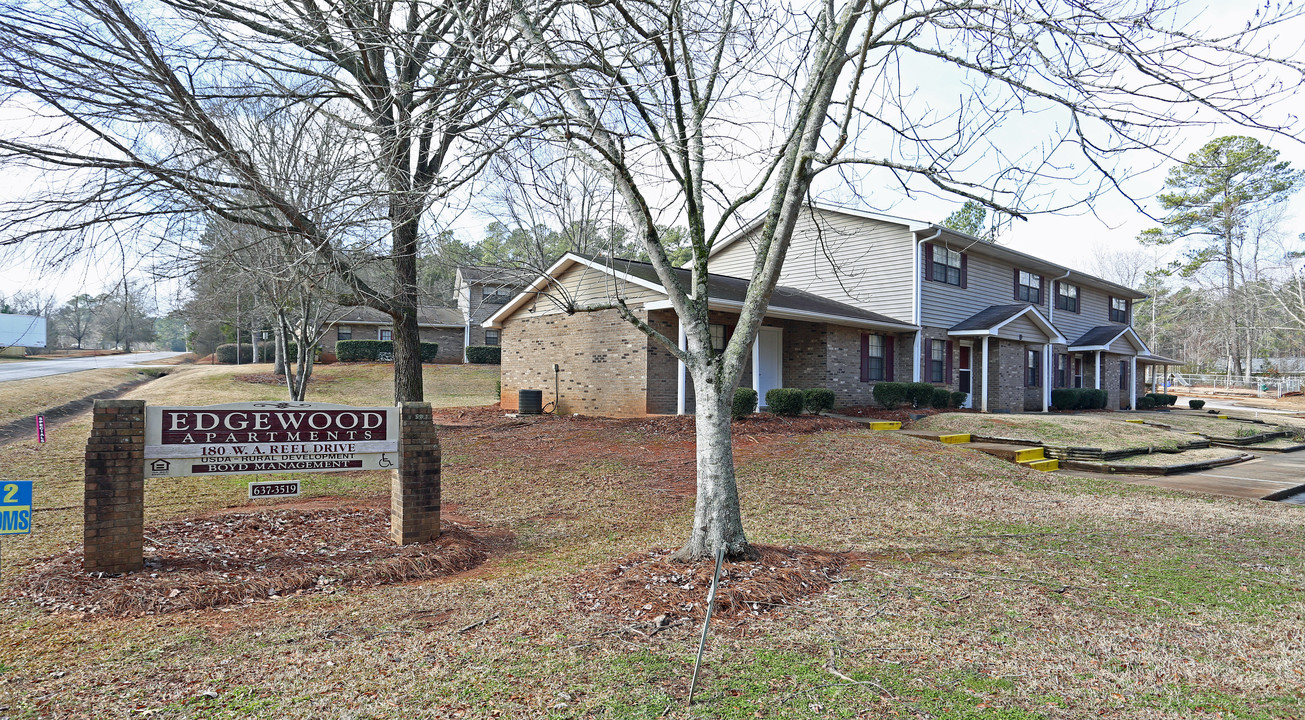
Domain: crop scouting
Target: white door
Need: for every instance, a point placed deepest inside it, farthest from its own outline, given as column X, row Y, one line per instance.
column 768, row 362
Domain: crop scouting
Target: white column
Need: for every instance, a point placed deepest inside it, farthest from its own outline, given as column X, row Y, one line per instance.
column 916, row 348
column 1132, row 382
column 679, row 390
column 756, row 368
column 983, row 402
column 1097, row 379
column 1046, row 377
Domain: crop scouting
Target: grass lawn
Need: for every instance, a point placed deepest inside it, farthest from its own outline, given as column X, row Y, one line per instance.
column 1211, row 426
column 979, row 589
column 20, row 398
column 1106, row 431
column 1183, row 458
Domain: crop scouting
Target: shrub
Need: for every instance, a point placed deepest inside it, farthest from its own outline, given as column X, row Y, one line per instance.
column 958, row 399
column 1196, row 404
column 376, row 351
column 1065, row 398
column 1096, row 399
column 816, row 400
column 745, row 403
column 484, row 354
column 942, row 398
column 920, row 394
column 1171, row 399
column 428, row 351
column 226, row 353
column 784, row 401
column 890, row 394
column 1146, row 402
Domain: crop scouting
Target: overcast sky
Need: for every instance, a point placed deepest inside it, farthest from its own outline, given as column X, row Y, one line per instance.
column 1068, row 239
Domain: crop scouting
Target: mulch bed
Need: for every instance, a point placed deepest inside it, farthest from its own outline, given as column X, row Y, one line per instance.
column 239, row 558
column 649, row 586
column 274, row 379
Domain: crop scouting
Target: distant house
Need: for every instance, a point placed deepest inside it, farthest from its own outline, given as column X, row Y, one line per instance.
column 442, row 325
column 863, row 298
column 481, row 291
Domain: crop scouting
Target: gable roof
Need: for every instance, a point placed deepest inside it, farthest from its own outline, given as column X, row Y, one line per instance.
column 515, row 277
column 991, row 319
column 427, row 316
column 723, row 291
column 1102, row 336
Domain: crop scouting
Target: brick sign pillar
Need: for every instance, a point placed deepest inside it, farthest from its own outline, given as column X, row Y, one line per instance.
column 415, row 487
column 115, row 487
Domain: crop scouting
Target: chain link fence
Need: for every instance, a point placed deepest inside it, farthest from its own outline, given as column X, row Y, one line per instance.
column 1258, row 386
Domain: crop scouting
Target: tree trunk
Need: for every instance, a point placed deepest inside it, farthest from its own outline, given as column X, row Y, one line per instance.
column 717, row 520
column 278, row 340
column 407, row 336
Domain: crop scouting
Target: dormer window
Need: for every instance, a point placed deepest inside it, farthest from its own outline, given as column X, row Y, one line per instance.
column 1119, row 310
column 1028, row 287
column 1066, row 297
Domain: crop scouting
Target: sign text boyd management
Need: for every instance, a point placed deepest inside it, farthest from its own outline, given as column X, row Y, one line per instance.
column 266, row 437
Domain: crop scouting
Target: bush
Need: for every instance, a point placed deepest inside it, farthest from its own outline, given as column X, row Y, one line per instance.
column 784, row 401
column 1065, row 398
column 816, row 400
column 958, row 399
column 890, row 394
column 376, row 351
column 1146, row 402
column 942, row 398
column 226, row 353
column 1196, row 404
column 1171, row 399
column 920, row 394
column 1096, row 399
column 484, row 354
column 745, row 403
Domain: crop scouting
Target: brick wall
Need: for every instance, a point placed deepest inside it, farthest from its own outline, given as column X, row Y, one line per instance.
column 114, row 508
column 663, row 368
column 415, row 484
column 449, row 340
column 603, row 362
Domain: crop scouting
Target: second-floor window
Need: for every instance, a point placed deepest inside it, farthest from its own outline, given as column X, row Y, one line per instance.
column 497, row 295
column 946, row 266
column 385, row 334
column 1066, row 297
column 344, row 332
column 1119, row 310
column 1028, row 287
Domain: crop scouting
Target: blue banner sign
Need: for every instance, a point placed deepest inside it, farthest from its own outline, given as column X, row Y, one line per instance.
column 16, row 507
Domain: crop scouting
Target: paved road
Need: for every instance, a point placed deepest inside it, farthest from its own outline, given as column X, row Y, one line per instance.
column 1267, row 474
column 26, row 370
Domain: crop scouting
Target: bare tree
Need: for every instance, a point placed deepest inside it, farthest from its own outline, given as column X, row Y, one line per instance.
column 702, row 110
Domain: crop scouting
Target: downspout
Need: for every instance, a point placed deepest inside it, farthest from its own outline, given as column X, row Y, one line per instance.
column 916, row 271
column 1051, row 317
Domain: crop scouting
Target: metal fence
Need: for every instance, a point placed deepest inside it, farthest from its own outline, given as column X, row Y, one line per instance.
column 1258, row 385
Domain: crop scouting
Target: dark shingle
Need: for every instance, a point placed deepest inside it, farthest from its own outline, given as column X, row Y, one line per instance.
column 1100, row 335
column 989, row 316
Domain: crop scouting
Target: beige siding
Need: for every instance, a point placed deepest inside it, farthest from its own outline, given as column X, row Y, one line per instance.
column 1022, row 326
column 872, row 272
column 584, row 285
column 1122, row 346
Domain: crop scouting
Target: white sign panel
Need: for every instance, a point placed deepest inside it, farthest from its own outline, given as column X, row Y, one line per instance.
column 269, row 437
column 21, row 331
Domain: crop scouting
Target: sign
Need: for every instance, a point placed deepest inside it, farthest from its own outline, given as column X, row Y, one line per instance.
column 16, row 507
column 269, row 437
column 277, row 489
column 40, row 428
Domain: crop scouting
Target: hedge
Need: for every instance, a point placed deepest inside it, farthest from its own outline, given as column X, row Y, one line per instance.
column 484, row 354
column 942, row 398
column 920, row 394
column 745, row 403
column 1146, row 402
column 1196, row 404
column 958, row 399
column 1078, row 398
column 816, row 400
column 784, row 401
column 226, row 353
column 378, row 351
column 889, row 394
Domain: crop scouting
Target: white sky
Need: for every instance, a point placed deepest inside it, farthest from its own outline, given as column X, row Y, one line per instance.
column 1068, row 239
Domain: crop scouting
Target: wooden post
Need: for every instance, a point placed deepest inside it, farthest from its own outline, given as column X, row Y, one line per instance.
column 114, row 514
column 415, row 485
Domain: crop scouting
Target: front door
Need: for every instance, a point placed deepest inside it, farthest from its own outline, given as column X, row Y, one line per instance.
column 964, row 383
column 769, row 372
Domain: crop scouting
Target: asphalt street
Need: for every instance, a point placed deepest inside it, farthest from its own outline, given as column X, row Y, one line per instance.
column 28, row 369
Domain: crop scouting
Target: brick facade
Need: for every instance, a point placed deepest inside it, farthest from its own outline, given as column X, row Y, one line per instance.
column 114, row 508
column 415, row 484
column 448, row 339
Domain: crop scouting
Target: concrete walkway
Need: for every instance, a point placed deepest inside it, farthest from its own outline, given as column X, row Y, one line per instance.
column 1268, row 474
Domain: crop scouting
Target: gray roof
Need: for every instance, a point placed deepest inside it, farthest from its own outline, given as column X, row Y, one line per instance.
column 989, row 316
column 514, row 277
column 732, row 289
column 1099, row 335
column 429, row 316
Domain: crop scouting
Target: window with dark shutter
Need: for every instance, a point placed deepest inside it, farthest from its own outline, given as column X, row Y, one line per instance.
column 937, row 360
column 1028, row 287
column 1066, row 297
column 944, row 265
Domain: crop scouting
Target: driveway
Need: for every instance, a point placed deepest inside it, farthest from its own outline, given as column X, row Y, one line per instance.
column 1267, row 474
column 28, row 369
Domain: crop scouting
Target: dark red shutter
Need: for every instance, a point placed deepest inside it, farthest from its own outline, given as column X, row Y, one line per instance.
column 1110, row 308
column 947, row 373
column 928, row 359
column 965, row 270
column 889, row 342
column 1042, row 287
column 928, row 261
column 865, row 357
column 1017, row 284
column 1055, row 291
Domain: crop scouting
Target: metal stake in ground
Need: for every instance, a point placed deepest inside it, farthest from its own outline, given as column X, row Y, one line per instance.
column 706, row 624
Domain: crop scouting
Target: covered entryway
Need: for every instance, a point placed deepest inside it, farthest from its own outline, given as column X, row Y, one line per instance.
column 768, row 362
column 1014, row 351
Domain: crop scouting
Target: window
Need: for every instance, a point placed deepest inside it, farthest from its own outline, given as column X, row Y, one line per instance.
column 718, row 337
column 1062, row 370
column 491, row 337
column 1028, row 287
column 497, row 295
column 874, row 358
column 344, row 332
column 1066, row 297
column 1078, row 371
column 937, row 361
column 1123, row 375
column 1119, row 310
column 946, row 266
column 385, row 334
column 1033, row 368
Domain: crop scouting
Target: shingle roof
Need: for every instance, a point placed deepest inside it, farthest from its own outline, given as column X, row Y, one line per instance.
column 1099, row 335
column 989, row 316
column 491, row 274
column 732, row 289
column 429, row 316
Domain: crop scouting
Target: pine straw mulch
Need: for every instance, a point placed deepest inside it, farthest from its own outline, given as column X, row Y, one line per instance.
column 246, row 557
column 649, row 586
column 274, row 379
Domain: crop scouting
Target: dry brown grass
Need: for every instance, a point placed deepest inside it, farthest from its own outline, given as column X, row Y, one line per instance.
column 20, row 398
column 1186, row 457
column 1212, row 426
column 1106, row 431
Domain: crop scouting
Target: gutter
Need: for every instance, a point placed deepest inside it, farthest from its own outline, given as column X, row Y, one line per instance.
column 915, row 301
